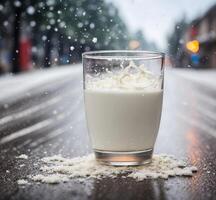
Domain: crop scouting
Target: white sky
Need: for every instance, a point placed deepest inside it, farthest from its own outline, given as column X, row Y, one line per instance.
column 156, row 18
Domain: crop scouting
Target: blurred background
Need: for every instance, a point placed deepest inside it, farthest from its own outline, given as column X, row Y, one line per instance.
column 46, row 33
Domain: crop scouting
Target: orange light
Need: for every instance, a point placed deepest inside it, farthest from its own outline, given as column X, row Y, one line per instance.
column 134, row 44
column 193, row 46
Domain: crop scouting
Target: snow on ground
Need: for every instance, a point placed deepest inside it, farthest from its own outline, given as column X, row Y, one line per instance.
column 203, row 77
column 20, row 84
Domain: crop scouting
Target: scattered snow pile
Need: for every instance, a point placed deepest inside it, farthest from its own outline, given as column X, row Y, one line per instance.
column 22, row 182
column 59, row 169
column 52, row 179
column 22, row 156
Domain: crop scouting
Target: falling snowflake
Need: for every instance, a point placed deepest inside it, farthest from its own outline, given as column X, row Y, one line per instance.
column 181, row 41
column 50, row 2
column 55, row 112
column 30, row 10
column 72, row 48
column 80, row 24
column 52, row 21
column 48, row 27
column 44, row 37
column 82, row 41
column 17, row 3
column 86, row 22
column 1, row 7
column 34, row 49
column 50, row 15
column 5, row 23
column 41, row 4
column 32, row 23
column 92, row 25
column 94, row 40
column 62, row 24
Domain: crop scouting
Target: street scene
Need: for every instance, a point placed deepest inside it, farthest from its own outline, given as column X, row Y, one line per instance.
column 52, row 97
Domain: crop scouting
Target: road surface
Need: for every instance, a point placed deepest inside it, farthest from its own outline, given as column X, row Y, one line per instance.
column 42, row 114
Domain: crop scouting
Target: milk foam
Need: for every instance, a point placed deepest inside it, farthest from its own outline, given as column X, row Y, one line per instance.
column 131, row 77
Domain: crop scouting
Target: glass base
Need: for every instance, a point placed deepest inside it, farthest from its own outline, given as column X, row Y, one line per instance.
column 132, row 158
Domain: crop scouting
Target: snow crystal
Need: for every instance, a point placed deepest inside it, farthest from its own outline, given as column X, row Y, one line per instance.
column 22, row 156
column 62, row 24
column 94, row 40
column 52, row 21
column 72, row 48
column 32, row 23
column 52, row 179
column 44, row 37
column 1, row 7
column 82, row 41
column 30, row 10
column 48, row 27
column 5, row 23
column 58, row 169
column 22, row 165
column 181, row 41
column 17, row 3
column 80, row 25
column 34, row 49
column 92, row 25
column 50, row 2
column 22, row 182
column 50, row 14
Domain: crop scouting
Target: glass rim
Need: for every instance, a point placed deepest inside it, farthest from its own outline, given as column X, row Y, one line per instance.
column 129, row 54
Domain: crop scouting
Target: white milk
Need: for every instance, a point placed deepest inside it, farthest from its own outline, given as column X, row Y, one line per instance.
column 123, row 120
column 123, row 111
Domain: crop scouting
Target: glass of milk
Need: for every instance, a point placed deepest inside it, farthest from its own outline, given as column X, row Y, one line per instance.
column 123, row 93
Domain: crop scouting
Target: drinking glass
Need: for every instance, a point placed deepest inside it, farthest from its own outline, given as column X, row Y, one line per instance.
column 123, row 93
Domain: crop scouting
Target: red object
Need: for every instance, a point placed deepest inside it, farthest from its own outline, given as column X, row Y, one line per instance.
column 25, row 54
column 193, row 32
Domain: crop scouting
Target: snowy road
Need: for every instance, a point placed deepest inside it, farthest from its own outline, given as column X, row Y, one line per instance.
column 19, row 85
column 42, row 113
